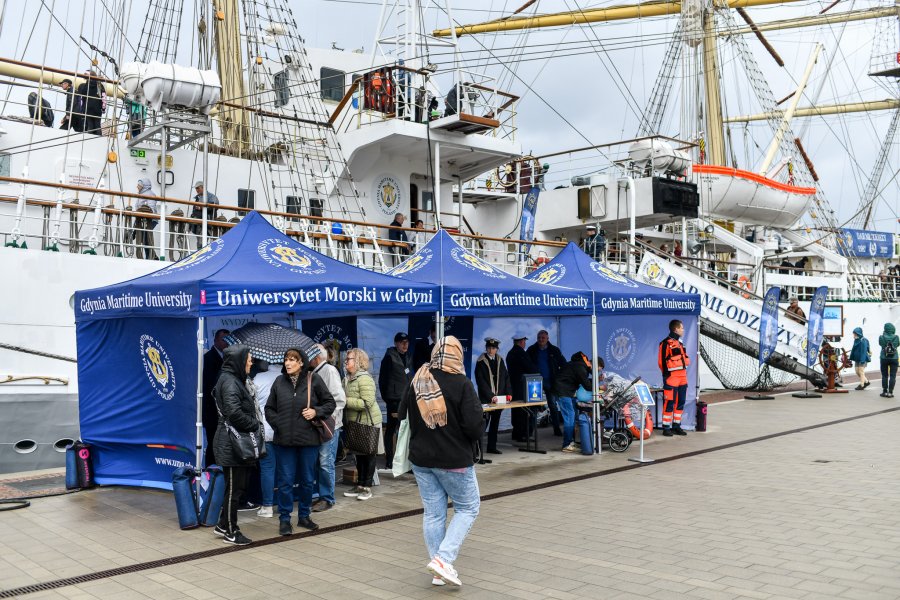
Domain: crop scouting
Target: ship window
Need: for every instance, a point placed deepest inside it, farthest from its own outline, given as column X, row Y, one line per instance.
column 25, row 446
column 4, row 165
column 282, row 88
column 332, row 83
column 293, row 205
column 246, row 198
column 61, row 444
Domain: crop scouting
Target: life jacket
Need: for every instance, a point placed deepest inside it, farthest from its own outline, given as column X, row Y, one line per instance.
column 673, row 361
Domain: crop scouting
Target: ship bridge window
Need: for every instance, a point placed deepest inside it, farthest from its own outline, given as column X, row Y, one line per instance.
column 332, row 83
column 282, row 87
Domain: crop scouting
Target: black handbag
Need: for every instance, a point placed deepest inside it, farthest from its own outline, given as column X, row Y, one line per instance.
column 362, row 438
column 249, row 446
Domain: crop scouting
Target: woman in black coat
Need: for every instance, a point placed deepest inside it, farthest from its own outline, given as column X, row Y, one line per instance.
column 237, row 409
column 297, row 397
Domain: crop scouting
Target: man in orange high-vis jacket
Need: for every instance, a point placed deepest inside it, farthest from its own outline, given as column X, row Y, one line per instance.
column 673, row 362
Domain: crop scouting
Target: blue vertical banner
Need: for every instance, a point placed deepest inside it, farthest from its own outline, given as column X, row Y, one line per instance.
column 816, row 328
column 768, row 325
column 529, row 209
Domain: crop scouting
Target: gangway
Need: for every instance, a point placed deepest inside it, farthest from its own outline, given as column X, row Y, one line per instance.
column 730, row 316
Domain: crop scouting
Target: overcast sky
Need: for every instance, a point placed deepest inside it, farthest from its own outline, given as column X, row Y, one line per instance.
column 573, row 92
column 600, row 100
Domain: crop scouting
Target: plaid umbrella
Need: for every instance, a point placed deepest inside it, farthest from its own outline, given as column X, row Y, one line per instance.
column 269, row 341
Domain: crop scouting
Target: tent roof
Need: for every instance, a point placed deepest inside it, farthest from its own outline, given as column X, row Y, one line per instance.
column 613, row 292
column 255, row 268
column 475, row 287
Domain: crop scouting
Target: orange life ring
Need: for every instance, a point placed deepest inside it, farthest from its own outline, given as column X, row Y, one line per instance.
column 630, row 425
column 744, row 283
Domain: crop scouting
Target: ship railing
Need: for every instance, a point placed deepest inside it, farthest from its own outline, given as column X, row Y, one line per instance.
column 113, row 223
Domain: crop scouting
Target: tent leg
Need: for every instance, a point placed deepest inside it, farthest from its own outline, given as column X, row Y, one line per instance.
column 595, row 384
column 198, row 450
column 438, row 325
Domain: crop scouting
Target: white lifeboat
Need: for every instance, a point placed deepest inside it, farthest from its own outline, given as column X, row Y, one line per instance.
column 156, row 84
column 737, row 195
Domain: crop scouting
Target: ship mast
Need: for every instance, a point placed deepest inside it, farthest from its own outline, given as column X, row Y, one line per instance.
column 229, row 63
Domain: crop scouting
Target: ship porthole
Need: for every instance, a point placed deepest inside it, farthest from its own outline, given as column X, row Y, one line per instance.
column 61, row 444
column 72, row 302
column 25, row 446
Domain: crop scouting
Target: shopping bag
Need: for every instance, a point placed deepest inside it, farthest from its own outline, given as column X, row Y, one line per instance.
column 401, row 464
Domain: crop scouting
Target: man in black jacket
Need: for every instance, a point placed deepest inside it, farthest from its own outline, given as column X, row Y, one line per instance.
column 549, row 360
column 394, row 377
column 519, row 364
column 424, row 347
column 212, row 365
column 570, row 377
column 492, row 381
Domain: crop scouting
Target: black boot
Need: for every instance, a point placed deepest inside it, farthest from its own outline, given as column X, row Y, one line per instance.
column 667, row 432
column 285, row 528
column 306, row 523
column 677, row 430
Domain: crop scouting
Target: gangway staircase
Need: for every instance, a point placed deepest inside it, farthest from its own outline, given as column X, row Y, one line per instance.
column 729, row 326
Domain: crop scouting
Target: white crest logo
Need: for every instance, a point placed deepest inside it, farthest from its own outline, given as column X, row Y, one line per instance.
column 414, row 263
column 158, row 367
column 621, row 348
column 470, row 261
column 610, row 275
column 388, row 195
column 295, row 259
column 550, row 274
column 197, row 258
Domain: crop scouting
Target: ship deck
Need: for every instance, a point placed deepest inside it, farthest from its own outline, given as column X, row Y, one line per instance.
column 789, row 498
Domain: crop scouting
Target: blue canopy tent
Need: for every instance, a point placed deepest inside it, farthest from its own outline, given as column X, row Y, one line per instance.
column 627, row 344
column 140, row 342
column 471, row 286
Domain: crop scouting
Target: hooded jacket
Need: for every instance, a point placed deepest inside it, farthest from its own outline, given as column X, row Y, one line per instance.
column 889, row 336
column 571, row 376
column 860, row 351
column 146, row 190
column 285, row 407
column 235, row 403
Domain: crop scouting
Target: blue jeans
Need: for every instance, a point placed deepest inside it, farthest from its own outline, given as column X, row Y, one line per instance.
column 267, row 475
column 327, row 453
column 567, row 410
column 435, row 486
column 292, row 463
column 555, row 417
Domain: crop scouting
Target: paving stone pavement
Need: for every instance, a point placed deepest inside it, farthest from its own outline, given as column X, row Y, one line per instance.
column 810, row 514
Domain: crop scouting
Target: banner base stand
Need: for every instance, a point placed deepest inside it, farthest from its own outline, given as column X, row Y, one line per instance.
column 759, row 397
column 834, row 391
column 638, row 459
column 806, row 395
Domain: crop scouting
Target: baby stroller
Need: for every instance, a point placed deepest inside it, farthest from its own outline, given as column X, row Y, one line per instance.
column 620, row 397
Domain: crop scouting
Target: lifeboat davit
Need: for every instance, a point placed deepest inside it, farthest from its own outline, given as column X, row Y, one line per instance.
column 738, row 195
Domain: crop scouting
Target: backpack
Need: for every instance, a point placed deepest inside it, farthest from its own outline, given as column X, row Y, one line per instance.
column 889, row 350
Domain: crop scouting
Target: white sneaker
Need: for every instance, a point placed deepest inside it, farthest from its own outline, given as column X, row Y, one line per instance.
column 438, row 581
column 364, row 494
column 353, row 492
column 571, row 448
column 264, row 512
column 444, row 571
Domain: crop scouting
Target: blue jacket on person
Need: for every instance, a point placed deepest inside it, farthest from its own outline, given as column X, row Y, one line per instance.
column 860, row 351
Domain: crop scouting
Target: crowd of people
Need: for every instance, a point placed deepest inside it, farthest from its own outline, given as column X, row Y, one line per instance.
column 292, row 402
